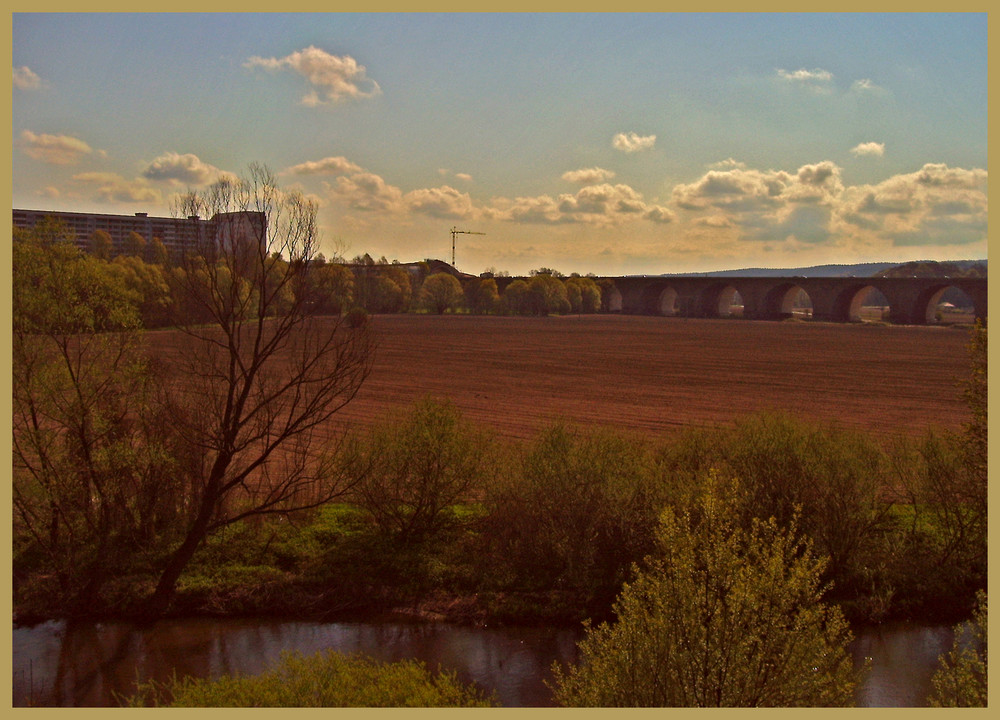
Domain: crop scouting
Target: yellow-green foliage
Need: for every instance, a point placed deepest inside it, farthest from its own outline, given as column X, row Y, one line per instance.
column 720, row 617
column 323, row 680
column 960, row 680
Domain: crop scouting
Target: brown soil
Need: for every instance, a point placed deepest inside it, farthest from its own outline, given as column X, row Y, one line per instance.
column 657, row 375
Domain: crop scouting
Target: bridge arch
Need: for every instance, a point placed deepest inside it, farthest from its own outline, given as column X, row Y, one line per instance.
column 613, row 298
column 720, row 300
column 936, row 303
column 857, row 303
column 786, row 300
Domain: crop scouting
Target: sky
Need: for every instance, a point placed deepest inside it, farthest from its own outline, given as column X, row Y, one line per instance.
column 610, row 144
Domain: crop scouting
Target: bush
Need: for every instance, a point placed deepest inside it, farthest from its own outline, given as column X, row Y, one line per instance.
column 416, row 466
column 720, row 617
column 356, row 317
column 835, row 480
column 323, row 680
column 960, row 680
column 571, row 514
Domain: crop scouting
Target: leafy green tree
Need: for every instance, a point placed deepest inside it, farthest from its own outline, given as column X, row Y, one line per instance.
column 547, row 294
column 961, row 677
column 440, row 292
column 721, row 616
column 574, row 296
column 328, row 288
column 323, row 680
column 572, row 513
column 481, row 295
column 545, row 271
column 583, row 294
column 515, row 297
column 608, row 289
column 47, row 231
column 402, row 279
column 99, row 245
column 414, row 467
column 150, row 288
column 94, row 482
column 135, row 245
column 832, row 479
column 976, row 431
column 156, row 252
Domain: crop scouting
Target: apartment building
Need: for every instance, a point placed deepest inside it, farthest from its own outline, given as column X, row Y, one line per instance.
column 178, row 235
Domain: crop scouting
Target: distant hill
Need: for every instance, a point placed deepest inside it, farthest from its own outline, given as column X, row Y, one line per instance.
column 925, row 268
column 931, row 268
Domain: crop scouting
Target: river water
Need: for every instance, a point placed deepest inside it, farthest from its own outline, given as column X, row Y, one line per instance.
column 91, row 664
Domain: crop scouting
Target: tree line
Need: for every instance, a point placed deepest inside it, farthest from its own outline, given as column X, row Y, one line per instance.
column 151, row 277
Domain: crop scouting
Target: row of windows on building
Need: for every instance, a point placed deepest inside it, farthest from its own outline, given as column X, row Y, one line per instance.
column 178, row 235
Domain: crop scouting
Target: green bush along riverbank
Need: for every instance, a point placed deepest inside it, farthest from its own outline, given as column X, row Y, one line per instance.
column 449, row 522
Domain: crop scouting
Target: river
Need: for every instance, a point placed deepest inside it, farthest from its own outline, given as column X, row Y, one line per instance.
column 89, row 664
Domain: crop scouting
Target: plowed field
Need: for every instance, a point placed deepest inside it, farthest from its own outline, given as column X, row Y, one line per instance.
column 659, row 374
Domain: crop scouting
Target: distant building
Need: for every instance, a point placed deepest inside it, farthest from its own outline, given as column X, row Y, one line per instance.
column 178, row 235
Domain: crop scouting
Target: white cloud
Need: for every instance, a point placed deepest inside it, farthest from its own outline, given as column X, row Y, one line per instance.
column 728, row 164
column 185, row 169
column 806, row 76
column 815, row 80
column 112, row 188
column 333, row 78
column 599, row 205
column 54, row 149
column 464, row 176
column 866, row 86
column 737, row 189
column 631, row 142
column 26, row 79
column 869, row 148
column 659, row 214
column 588, row 176
column 369, row 192
column 936, row 206
column 441, row 202
column 338, row 165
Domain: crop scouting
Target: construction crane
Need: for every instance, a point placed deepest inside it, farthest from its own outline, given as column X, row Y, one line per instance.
column 455, row 231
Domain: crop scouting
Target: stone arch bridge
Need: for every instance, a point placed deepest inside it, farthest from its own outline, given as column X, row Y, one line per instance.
column 911, row 301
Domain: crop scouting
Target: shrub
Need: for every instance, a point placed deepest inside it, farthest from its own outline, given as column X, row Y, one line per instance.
column 571, row 514
column 960, row 680
column 833, row 479
column 415, row 466
column 323, row 680
column 721, row 616
column 356, row 317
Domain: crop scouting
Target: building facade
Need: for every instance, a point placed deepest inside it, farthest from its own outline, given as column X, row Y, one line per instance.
column 179, row 236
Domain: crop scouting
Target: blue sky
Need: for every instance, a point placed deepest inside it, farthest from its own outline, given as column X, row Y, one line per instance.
column 604, row 143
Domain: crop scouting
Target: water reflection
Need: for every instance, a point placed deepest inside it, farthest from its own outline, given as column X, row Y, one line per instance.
column 89, row 664
column 903, row 660
column 94, row 664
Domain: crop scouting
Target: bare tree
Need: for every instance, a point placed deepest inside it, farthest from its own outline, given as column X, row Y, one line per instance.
column 259, row 374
